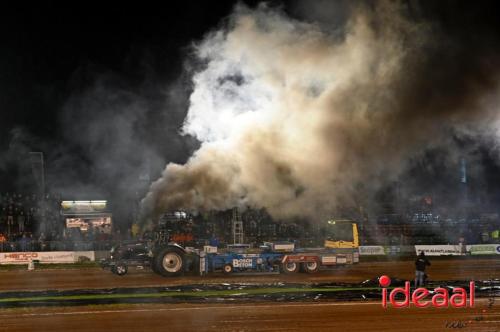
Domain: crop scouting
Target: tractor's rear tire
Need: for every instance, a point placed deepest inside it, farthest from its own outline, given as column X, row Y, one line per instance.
column 169, row 262
column 311, row 267
column 290, row 267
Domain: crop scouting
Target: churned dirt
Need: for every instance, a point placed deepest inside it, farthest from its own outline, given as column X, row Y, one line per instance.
column 441, row 269
column 261, row 316
column 364, row 316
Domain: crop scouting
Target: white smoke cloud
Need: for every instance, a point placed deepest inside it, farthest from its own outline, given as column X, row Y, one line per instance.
column 298, row 120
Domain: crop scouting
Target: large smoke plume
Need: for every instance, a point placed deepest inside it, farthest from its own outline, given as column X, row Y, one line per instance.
column 301, row 118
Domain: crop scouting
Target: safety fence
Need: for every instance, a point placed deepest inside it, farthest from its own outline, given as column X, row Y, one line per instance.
column 83, row 254
column 47, row 257
column 432, row 250
column 29, row 246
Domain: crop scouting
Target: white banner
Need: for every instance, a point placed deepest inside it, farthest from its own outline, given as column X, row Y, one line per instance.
column 45, row 257
column 79, row 255
column 371, row 250
column 484, row 249
column 441, row 250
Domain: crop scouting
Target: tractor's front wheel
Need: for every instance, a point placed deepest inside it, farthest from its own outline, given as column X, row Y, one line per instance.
column 120, row 269
column 228, row 269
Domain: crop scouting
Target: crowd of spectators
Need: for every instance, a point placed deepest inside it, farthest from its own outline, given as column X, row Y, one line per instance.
column 31, row 222
column 34, row 223
column 432, row 229
column 20, row 218
column 18, row 213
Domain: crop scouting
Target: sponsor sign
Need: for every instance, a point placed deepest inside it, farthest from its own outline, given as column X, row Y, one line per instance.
column 328, row 260
column 283, row 246
column 341, row 260
column 422, row 297
column 79, row 254
column 47, row 257
column 371, row 250
column 484, row 249
column 392, row 250
column 210, row 249
column 440, row 250
column 243, row 262
column 100, row 224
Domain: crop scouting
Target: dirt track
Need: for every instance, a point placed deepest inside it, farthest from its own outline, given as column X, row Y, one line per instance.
column 449, row 269
column 262, row 316
column 256, row 317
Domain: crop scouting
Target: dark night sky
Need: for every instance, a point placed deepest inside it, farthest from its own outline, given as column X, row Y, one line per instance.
column 43, row 45
column 52, row 52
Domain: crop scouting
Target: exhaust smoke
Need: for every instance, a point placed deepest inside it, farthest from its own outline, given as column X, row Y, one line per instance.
column 302, row 119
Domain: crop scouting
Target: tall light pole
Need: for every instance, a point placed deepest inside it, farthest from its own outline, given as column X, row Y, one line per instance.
column 37, row 159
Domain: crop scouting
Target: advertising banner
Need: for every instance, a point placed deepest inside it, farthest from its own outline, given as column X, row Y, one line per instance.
column 392, row 250
column 441, row 250
column 484, row 249
column 48, row 257
column 371, row 250
column 89, row 255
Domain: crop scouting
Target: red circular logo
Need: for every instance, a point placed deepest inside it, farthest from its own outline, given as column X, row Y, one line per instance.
column 384, row 281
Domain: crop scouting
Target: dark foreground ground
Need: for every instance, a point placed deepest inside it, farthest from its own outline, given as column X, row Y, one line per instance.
column 263, row 315
column 328, row 316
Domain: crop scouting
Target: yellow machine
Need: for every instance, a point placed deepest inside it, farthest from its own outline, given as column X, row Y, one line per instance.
column 341, row 234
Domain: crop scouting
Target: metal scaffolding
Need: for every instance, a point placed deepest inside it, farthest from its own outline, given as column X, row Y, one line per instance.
column 237, row 224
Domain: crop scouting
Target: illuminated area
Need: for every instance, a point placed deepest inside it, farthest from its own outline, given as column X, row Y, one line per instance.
column 87, row 215
column 88, row 206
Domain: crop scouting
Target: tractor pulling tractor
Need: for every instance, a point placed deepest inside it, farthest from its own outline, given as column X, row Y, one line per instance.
column 170, row 259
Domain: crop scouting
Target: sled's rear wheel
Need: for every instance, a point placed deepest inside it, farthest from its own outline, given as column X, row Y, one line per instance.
column 290, row 267
column 311, row 267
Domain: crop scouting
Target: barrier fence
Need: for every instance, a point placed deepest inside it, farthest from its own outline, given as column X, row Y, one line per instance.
column 72, row 252
column 47, row 257
column 432, row 250
column 30, row 246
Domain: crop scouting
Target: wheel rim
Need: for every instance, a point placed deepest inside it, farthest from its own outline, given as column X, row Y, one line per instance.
column 172, row 262
column 312, row 266
column 227, row 268
column 291, row 266
column 120, row 269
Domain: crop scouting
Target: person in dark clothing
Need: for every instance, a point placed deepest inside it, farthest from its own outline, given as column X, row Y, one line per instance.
column 420, row 264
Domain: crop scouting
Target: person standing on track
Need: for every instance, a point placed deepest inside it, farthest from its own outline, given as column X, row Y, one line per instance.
column 420, row 264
